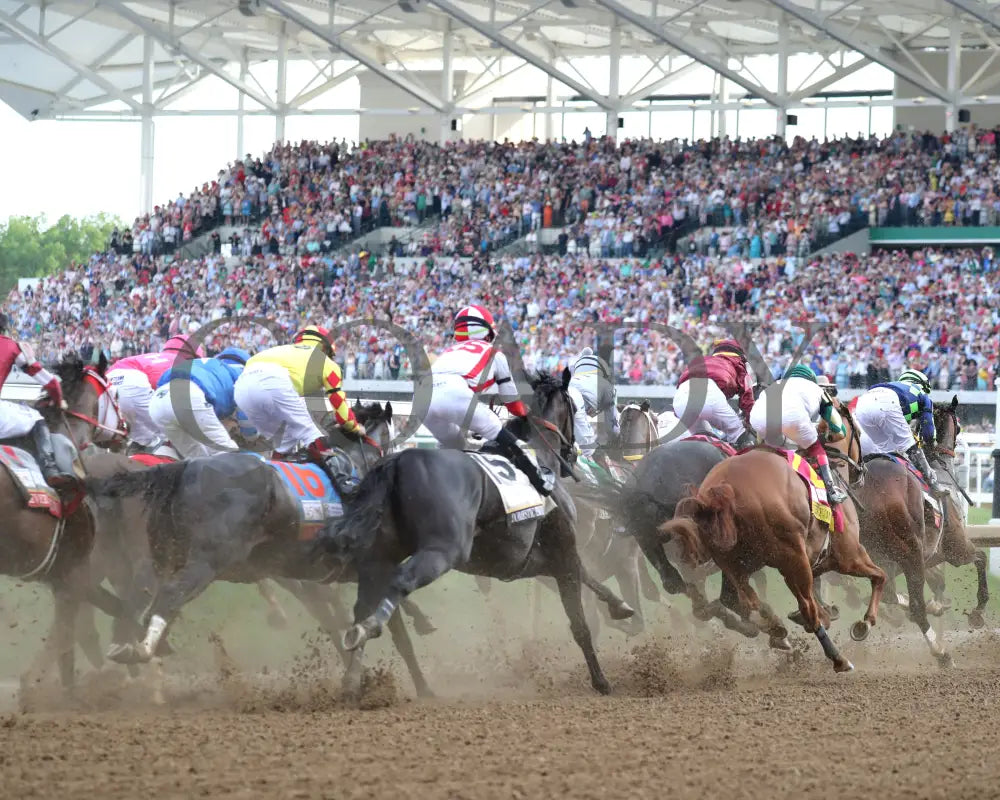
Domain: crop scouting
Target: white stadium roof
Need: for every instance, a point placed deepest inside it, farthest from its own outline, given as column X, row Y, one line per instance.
column 62, row 58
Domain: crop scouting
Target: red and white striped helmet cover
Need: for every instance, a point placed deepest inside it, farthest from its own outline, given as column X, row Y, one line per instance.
column 473, row 322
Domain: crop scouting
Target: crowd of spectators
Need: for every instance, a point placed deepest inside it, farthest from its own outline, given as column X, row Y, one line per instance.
column 752, row 211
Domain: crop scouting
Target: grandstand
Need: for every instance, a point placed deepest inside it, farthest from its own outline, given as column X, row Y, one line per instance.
column 691, row 164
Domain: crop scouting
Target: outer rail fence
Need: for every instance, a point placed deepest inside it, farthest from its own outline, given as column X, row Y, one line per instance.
column 974, row 465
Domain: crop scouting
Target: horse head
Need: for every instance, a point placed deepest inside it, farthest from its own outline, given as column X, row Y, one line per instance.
column 850, row 444
column 91, row 412
column 550, row 422
column 946, row 428
column 639, row 430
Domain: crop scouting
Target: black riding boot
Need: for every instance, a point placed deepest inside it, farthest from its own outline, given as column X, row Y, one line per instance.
column 834, row 493
column 747, row 440
column 919, row 460
column 541, row 478
column 341, row 471
column 46, row 455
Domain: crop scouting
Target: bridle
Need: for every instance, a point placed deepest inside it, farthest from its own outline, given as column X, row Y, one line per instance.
column 567, row 454
column 106, row 399
column 652, row 433
column 938, row 449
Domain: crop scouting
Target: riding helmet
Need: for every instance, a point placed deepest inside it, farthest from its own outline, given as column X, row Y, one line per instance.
column 474, row 322
column 916, row 378
column 801, row 371
column 316, row 335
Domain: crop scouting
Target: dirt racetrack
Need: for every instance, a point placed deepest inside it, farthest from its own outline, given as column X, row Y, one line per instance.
column 690, row 718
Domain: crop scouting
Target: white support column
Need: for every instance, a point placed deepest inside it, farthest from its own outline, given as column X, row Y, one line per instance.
column 550, row 100
column 146, row 151
column 614, row 93
column 723, row 98
column 447, row 83
column 954, row 73
column 282, row 88
column 782, row 91
column 241, row 105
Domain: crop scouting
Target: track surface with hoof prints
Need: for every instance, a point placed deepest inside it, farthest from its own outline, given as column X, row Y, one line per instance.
column 689, row 719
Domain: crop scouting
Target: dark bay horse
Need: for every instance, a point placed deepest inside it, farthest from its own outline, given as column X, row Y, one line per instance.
column 421, row 513
column 228, row 517
column 34, row 545
column 753, row 510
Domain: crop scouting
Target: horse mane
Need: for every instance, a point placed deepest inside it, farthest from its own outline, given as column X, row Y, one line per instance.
column 544, row 386
column 70, row 372
column 369, row 414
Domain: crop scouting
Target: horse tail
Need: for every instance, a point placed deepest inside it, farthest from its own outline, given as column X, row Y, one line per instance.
column 704, row 522
column 156, row 484
column 363, row 516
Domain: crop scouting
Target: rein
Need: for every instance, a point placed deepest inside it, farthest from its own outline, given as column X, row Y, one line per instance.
column 103, row 389
column 535, row 422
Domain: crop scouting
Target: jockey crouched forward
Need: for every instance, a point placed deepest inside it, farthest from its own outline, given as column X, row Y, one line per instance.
column 791, row 409
column 717, row 378
column 470, row 366
column 18, row 420
column 272, row 391
column 592, row 393
column 886, row 412
column 135, row 379
column 192, row 400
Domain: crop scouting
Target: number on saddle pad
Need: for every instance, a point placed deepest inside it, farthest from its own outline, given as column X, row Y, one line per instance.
column 502, row 468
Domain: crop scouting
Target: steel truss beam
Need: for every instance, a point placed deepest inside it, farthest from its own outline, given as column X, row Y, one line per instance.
column 174, row 44
column 486, row 30
column 645, row 24
column 846, row 37
column 358, row 54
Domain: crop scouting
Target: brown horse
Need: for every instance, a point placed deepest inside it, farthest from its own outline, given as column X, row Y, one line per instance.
column 753, row 511
column 35, row 546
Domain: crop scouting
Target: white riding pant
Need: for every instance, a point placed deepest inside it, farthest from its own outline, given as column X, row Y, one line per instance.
column 265, row 393
column 188, row 420
column 451, row 398
column 794, row 423
column 884, row 429
column 715, row 410
column 583, row 431
column 134, row 394
column 16, row 419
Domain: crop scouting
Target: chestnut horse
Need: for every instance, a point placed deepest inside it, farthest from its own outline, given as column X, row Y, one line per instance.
column 754, row 511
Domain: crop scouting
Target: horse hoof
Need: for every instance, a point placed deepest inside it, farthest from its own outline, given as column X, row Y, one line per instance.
column 780, row 643
column 702, row 614
column 602, row 686
column 621, row 611
column 277, row 620
column 747, row 629
column 355, row 636
column 934, row 608
column 944, row 660
column 843, row 665
column 797, row 618
column 125, row 654
column 976, row 619
column 860, row 630
column 834, row 613
column 423, row 626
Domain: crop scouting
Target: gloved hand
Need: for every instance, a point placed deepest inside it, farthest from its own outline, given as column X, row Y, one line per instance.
column 54, row 390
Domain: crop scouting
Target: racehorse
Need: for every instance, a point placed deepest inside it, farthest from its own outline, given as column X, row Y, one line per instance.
column 37, row 546
column 604, row 553
column 228, row 517
column 754, row 510
column 461, row 523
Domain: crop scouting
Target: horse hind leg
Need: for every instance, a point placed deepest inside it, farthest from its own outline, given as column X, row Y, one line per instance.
column 914, row 574
column 799, row 579
column 404, row 646
column 618, row 609
column 739, row 596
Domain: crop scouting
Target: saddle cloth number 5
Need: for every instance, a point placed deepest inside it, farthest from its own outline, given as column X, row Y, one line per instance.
column 502, row 468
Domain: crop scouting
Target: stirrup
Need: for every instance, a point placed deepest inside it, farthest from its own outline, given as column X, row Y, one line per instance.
column 836, row 495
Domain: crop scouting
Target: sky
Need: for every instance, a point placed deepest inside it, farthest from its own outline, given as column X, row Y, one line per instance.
column 82, row 168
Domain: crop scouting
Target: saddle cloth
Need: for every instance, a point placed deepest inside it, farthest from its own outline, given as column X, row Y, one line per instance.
column 27, row 475
column 929, row 499
column 717, row 443
column 817, row 489
column 521, row 501
column 595, row 474
column 312, row 489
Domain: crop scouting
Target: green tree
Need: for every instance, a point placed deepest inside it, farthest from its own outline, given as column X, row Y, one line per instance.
column 30, row 247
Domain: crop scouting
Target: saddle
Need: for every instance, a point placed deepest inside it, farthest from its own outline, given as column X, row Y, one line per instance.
column 521, row 500
column 719, row 444
column 18, row 457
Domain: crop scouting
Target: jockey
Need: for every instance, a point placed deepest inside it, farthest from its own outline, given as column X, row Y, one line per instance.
column 592, row 393
column 135, row 378
column 801, row 403
column 201, row 391
column 723, row 375
column 272, row 391
column 887, row 413
column 20, row 420
column 470, row 366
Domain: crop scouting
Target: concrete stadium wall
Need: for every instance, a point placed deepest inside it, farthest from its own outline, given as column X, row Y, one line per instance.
column 377, row 92
column 931, row 118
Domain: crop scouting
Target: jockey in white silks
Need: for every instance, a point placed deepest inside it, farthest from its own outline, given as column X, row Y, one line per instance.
column 592, row 393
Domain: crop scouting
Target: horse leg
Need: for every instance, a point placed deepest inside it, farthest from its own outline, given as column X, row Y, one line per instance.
column 849, row 557
column 404, row 646
column 182, row 587
column 421, row 622
column 798, row 576
column 617, row 608
column 627, row 573
column 276, row 616
column 373, row 582
column 671, row 579
column 649, row 589
column 88, row 638
column 730, row 610
column 913, row 571
column 564, row 565
column 934, row 578
column 318, row 606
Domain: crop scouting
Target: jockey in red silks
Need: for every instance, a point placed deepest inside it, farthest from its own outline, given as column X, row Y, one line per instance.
column 469, row 367
column 717, row 378
column 135, row 379
column 18, row 420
